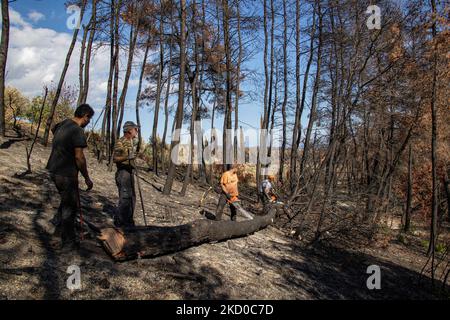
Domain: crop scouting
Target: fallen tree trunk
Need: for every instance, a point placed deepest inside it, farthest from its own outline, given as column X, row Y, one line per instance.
column 152, row 241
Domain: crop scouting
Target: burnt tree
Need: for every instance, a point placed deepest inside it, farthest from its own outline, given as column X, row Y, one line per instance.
column 152, row 241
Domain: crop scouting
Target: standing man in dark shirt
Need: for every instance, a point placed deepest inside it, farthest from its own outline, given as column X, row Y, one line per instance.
column 66, row 160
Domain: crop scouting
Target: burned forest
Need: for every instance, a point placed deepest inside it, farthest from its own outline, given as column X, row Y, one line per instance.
column 225, row 149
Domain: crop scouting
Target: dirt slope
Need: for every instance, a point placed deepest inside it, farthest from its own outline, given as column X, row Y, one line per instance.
column 265, row 265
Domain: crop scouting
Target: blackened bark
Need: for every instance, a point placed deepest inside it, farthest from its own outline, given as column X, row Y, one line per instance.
column 408, row 210
column 179, row 115
column 3, row 57
column 61, row 79
column 152, row 241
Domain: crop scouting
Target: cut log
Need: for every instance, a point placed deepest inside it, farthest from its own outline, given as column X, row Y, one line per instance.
column 152, row 241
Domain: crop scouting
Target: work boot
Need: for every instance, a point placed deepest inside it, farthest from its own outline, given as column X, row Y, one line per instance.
column 117, row 222
column 55, row 244
column 71, row 246
column 62, row 246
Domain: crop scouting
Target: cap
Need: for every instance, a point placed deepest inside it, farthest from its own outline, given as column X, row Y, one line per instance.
column 129, row 125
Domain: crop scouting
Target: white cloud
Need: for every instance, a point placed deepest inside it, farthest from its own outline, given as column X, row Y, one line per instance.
column 36, row 58
column 35, row 16
column 16, row 19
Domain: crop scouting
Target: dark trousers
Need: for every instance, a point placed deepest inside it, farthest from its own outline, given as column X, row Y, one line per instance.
column 221, row 206
column 263, row 198
column 127, row 198
column 68, row 210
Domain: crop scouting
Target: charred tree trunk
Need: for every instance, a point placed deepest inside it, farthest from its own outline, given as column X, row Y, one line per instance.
column 81, row 65
column 138, row 95
column 266, row 147
column 238, row 78
column 36, row 135
column 152, row 241
column 179, row 115
column 87, row 64
column 333, row 71
column 188, row 175
column 3, row 57
column 166, row 106
column 297, row 121
column 285, row 98
column 61, row 79
column 158, row 97
column 133, row 39
column 408, row 210
column 193, row 79
column 312, row 116
column 106, row 126
column 212, row 136
column 203, row 177
column 115, row 89
column 227, row 140
column 272, row 58
column 264, row 122
column 274, row 109
column 297, row 134
column 447, row 190
column 434, row 203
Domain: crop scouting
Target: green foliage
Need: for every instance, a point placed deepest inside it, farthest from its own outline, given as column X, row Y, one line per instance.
column 412, row 228
column 32, row 113
column 441, row 247
column 147, row 150
column 16, row 104
column 64, row 108
column 384, row 229
column 403, row 239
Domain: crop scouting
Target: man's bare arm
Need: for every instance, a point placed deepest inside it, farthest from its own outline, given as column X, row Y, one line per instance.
column 81, row 162
column 119, row 159
column 82, row 166
column 224, row 188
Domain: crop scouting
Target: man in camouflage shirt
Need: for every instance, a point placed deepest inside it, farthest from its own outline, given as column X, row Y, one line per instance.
column 124, row 156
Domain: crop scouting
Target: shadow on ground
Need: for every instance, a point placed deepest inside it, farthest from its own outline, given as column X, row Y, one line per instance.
column 334, row 273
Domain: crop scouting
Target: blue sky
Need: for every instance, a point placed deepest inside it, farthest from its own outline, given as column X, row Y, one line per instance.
column 38, row 46
column 53, row 11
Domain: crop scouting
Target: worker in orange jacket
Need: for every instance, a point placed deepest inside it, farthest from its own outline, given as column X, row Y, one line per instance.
column 229, row 184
